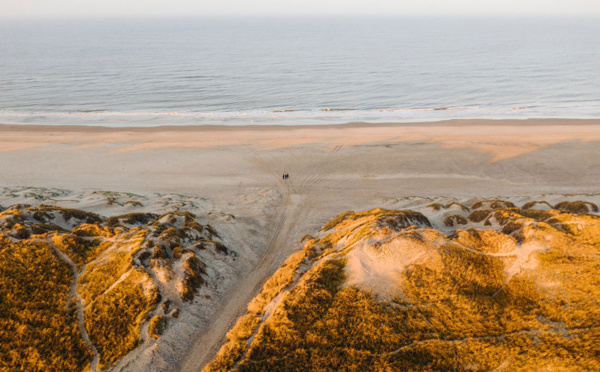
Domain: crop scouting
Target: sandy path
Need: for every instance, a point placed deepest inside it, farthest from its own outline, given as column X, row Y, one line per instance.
column 299, row 194
column 209, row 341
column 79, row 304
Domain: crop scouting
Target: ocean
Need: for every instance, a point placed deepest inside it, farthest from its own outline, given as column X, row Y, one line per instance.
column 286, row 70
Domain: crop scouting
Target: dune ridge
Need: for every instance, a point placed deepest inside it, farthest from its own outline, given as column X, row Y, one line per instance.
column 129, row 277
column 513, row 291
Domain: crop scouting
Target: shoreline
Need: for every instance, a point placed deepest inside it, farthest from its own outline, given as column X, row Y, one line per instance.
column 358, row 124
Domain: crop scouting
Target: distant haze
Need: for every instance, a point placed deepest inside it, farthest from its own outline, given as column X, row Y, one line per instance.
column 143, row 8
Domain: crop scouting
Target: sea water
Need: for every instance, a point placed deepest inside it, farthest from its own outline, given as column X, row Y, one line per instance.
column 286, row 70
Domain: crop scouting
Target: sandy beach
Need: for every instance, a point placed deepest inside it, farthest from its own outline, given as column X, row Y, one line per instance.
column 461, row 157
column 237, row 171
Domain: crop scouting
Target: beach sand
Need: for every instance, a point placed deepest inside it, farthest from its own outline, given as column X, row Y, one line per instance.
column 462, row 157
column 238, row 171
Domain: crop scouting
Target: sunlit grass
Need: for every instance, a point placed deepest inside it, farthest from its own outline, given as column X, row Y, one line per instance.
column 474, row 311
column 38, row 323
column 119, row 296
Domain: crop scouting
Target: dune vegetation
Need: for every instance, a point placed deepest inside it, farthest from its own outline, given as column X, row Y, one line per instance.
column 124, row 273
column 489, row 286
column 507, row 289
column 38, row 322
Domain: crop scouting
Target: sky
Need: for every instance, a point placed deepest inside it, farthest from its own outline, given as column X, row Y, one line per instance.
column 152, row 8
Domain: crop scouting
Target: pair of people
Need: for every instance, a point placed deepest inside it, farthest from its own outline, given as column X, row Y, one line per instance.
column 286, row 176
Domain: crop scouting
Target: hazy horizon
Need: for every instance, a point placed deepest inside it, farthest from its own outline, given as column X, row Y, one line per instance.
column 154, row 8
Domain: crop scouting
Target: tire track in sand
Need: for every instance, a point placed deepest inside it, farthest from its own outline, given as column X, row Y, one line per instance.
column 209, row 341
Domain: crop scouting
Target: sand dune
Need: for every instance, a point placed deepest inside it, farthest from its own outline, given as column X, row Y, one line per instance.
column 220, row 172
column 385, row 290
